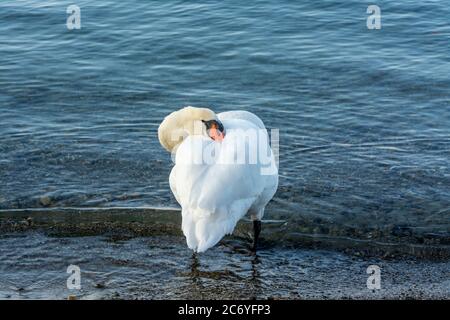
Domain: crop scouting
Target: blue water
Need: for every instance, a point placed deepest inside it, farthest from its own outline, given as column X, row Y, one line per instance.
column 364, row 115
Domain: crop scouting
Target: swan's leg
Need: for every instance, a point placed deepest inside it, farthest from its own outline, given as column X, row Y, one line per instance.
column 256, row 214
column 195, row 264
column 256, row 232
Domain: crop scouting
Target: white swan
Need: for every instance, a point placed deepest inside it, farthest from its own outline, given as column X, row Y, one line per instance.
column 224, row 169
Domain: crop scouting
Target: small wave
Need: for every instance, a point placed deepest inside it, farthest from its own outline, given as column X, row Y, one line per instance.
column 128, row 222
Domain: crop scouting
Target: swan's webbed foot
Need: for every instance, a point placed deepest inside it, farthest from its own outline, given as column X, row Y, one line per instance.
column 256, row 232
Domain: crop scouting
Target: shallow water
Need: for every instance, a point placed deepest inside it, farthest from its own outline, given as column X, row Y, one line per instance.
column 364, row 116
column 34, row 267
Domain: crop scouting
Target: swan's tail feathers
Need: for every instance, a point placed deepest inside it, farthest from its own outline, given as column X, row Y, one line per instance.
column 205, row 232
column 209, row 233
column 188, row 227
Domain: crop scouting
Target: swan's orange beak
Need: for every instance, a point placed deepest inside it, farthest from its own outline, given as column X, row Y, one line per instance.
column 215, row 130
column 216, row 135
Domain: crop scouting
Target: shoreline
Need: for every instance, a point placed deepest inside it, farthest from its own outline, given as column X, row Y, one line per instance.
column 120, row 223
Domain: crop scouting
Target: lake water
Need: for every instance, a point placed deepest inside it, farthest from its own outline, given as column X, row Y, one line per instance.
column 364, row 115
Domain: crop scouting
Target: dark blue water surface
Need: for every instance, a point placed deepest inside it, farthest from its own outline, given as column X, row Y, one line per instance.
column 364, row 115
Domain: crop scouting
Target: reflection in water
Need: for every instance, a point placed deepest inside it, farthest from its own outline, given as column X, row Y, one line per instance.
column 201, row 279
column 255, row 276
column 195, row 276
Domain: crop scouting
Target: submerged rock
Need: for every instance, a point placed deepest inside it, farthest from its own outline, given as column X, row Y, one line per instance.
column 45, row 201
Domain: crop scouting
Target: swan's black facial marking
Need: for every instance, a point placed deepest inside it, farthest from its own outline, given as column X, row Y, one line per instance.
column 214, row 124
column 215, row 129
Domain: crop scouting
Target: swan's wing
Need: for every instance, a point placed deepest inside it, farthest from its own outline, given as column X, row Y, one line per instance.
column 173, row 183
column 271, row 185
column 214, row 195
column 242, row 115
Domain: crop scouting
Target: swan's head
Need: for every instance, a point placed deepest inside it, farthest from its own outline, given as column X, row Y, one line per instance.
column 189, row 121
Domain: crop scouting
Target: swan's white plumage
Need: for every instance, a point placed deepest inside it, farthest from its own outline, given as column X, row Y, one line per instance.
column 214, row 196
